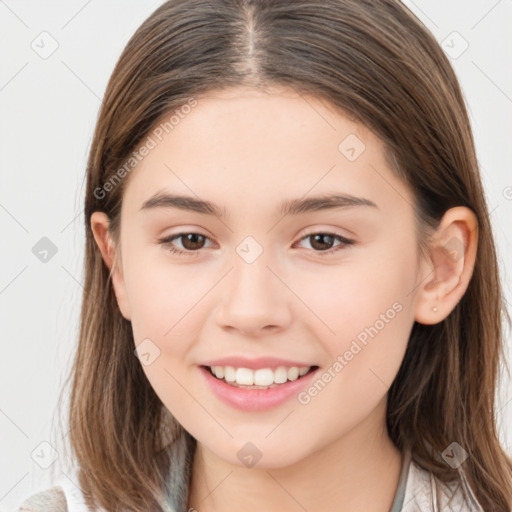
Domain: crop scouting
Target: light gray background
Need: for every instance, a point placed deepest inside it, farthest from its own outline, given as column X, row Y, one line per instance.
column 48, row 109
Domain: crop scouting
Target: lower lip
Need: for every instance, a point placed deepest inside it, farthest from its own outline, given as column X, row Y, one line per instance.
column 255, row 399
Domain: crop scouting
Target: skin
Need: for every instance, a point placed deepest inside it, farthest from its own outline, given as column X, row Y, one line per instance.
column 246, row 151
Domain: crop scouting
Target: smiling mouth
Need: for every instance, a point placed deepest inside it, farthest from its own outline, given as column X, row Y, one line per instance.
column 263, row 378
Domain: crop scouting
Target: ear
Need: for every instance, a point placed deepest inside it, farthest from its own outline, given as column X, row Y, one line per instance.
column 448, row 271
column 99, row 225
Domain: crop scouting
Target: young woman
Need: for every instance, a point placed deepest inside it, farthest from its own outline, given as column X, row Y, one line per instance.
column 292, row 300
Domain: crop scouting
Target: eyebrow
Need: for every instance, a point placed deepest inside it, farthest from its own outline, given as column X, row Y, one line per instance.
column 289, row 207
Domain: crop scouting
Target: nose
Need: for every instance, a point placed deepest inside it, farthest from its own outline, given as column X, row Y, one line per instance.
column 255, row 301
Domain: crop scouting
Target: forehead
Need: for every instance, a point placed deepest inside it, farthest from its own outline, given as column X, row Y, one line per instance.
column 245, row 142
column 274, row 107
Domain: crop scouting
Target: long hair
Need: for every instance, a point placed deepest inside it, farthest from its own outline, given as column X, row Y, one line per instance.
column 378, row 65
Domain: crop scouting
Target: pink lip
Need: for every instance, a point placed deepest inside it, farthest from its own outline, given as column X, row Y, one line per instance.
column 255, row 399
column 255, row 364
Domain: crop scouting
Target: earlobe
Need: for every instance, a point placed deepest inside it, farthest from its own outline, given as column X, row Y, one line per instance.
column 448, row 272
column 99, row 226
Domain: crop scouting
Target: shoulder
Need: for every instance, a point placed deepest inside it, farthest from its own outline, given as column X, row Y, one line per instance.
column 424, row 493
column 48, row 500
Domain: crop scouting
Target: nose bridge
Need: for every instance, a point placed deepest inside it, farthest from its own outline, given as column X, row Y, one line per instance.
column 253, row 297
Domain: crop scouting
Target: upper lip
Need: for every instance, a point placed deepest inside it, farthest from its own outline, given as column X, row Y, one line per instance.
column 255, row 364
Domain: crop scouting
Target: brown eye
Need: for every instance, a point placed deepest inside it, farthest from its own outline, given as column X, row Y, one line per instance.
column 192, row 241
column 322, row 243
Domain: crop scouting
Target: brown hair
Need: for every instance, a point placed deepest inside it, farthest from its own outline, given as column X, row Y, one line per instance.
column 376, row 63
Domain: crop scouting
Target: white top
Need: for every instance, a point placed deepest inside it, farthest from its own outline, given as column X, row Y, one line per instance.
column 74, row 497
column 425, row 493
column 418, row 490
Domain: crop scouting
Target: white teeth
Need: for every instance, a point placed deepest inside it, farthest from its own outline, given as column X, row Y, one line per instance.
column 218, row 371
column 262, row 377
column 244, row 376
column 293, row 373
column 229, row 373
column 280, row 375
column 304, row 370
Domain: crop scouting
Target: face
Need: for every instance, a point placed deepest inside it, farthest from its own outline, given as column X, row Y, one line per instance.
column 323, row 285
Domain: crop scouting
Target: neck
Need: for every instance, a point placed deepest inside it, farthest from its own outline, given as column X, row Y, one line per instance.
column 358, row 471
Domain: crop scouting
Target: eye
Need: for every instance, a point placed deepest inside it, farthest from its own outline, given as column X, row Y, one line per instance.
column 323, row 242
column 191, row 242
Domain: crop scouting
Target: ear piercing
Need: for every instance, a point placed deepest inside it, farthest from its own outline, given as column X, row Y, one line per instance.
column 434, row 309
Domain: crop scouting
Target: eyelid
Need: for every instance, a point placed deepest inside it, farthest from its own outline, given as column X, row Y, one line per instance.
column 326, row 231
column 170, row 238
column 344, row 241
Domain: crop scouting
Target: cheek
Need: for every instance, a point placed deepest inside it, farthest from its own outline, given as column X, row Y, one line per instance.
column 371, row 316
column 365, row 289
column 165, row 299
column 168, row 309
column 169, row 305
column 366, row 308
column 359, row 375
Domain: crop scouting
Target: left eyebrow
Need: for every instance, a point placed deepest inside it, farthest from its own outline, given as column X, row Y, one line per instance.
column 288, row 207
column 323, row 202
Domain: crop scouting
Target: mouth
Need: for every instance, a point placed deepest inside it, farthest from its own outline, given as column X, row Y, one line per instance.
column 261, row 378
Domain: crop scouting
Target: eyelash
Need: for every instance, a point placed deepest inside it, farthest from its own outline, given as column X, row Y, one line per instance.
column 344, row 243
